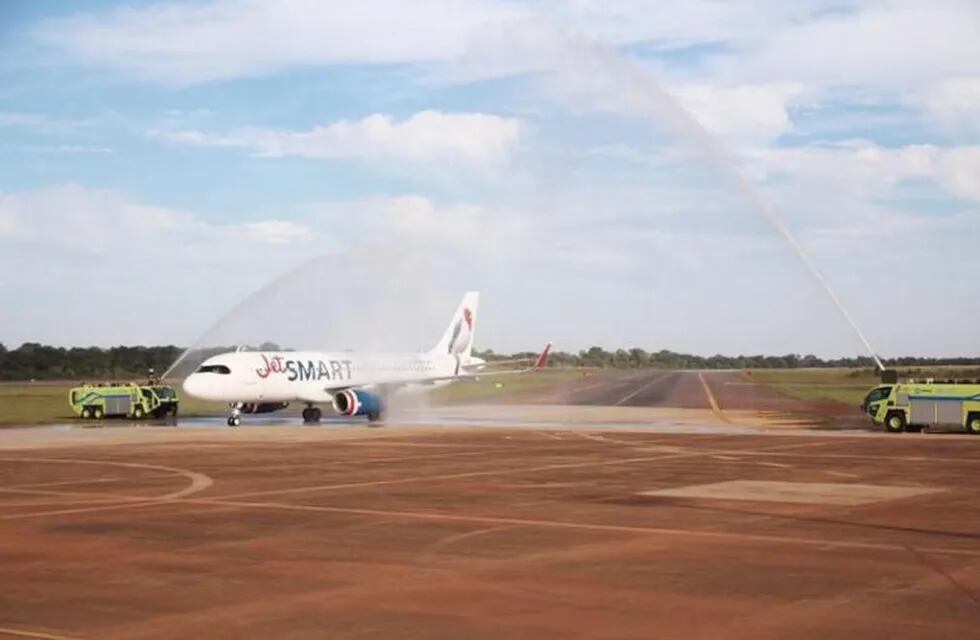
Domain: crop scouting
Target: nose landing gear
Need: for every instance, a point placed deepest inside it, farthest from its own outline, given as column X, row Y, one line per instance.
column 235, row 418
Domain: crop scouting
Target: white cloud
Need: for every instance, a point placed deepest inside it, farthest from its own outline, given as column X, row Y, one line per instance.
column 419, row 219
column 7, row 224
column 955, row 102
column 959, row 171
column 104, row 222
column 275, row 231
column 67, row 149
column 867, row 170
column 880, row 43
column 89, row 220
column 742, row 113
column 42, row 123
column 472, row 138
column 17, row 119
column 113, row 264
column 677, row 24
column 189, row 43
column 221, row 39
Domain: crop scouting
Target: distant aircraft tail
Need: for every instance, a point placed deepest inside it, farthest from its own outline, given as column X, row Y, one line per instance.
column 458, row 338
column 542, row 360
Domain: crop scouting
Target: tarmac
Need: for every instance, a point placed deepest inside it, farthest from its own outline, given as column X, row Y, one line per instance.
column 539, row 521
column 720, row 392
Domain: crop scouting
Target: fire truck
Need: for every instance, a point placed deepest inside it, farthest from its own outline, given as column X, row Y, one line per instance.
column 914, row 406
column 124, row 400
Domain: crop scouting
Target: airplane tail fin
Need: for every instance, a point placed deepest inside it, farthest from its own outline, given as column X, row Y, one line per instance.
column 542, row 360
column 458, row 338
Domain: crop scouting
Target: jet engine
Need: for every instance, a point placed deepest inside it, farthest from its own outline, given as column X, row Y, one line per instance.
column 354, row 402
column 263, row 407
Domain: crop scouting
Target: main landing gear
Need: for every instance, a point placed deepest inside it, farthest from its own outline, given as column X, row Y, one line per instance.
column 312, row 414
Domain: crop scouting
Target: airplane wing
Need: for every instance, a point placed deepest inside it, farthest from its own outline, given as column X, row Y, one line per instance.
column 540, row 363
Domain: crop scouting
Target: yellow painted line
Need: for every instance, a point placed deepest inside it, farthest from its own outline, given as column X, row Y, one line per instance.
column 715, row 409
column 24, row 633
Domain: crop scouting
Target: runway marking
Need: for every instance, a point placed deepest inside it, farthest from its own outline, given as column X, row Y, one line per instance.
column 642, row 388
column 59, row 483
column 565, row 393
column 861, row 456
column 549, row 435
column 590, row 526
column 836, row 493
column 362, row 461
column 715, row 409
column 71, row 494
column 24, row 633
column 957, row 586
column 448, row 445
column 452, row 476
column 198, row 482
column 441, row 544
column 504, row 472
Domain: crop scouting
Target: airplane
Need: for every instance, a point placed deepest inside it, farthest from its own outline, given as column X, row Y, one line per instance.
column 354, row 384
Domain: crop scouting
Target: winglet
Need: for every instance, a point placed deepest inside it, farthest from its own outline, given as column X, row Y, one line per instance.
column 542, row 360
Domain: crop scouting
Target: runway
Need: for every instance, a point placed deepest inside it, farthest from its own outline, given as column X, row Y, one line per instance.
column 454, row 531
column 718, row 391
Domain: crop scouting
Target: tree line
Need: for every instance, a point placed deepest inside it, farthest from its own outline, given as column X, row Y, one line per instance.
column 33, row 361
column 637, row 358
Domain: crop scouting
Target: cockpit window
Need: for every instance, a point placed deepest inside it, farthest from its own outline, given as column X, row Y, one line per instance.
column 214, row 368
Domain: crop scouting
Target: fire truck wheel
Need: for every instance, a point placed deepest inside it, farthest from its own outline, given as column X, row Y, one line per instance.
column 895, row 422
column 973, row 424
column 138, row 412
column 86, row 413
column 97, row 413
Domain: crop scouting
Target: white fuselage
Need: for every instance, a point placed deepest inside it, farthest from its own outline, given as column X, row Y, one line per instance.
column 313, row 376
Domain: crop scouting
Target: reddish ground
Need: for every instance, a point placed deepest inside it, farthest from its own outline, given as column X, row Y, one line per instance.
column 483, row 533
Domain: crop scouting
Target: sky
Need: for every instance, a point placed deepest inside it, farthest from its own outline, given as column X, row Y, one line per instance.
column 606, row 172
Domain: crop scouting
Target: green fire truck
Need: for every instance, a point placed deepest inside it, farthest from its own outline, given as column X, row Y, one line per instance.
column 912, row 406
column 125, row 400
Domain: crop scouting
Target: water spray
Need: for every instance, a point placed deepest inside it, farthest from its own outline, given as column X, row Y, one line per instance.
column 628, row 73
column 255, row 295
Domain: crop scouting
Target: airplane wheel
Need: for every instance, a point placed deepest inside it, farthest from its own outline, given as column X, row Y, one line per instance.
column 234, row 421
column 374, row 419
column 311, row 415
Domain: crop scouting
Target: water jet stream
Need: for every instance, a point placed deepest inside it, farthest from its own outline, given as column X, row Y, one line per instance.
column 630, row 75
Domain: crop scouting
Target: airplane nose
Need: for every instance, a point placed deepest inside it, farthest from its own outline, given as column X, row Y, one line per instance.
column 195, row 386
